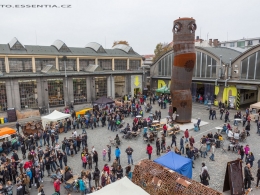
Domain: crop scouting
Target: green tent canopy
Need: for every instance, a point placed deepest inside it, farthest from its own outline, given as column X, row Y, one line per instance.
column 163, row 89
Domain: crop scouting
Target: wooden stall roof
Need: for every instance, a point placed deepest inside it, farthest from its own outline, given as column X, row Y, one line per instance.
column 158, row 180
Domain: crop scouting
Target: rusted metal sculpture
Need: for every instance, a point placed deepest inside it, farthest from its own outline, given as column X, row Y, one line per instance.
column 158, row 180
column 182, row 69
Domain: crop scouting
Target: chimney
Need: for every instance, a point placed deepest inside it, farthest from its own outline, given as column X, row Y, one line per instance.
column 197, row 38
column 210, row 42
column 215, row 42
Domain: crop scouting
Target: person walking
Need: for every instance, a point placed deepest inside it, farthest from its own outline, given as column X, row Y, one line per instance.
column 258, row 177
column 198, row 123
column 210, row 113
column 173, row 139
column 109, row 152
column 205, row 177
column 182, row 144
column 204, row 167
column 104, row 153
column 149, row 151
column 186, row 134
column 241, row 152
column 117, row 154
column 129, row 152
column 213, row 148
column 192, row 141
column 221, row 112
column 56, row 185
column 158, row 146
column 248, row 177
column 95, row 158
column 203, row 150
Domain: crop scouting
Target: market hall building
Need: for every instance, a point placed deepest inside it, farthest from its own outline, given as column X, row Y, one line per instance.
column 220, row 74
column 35, row 76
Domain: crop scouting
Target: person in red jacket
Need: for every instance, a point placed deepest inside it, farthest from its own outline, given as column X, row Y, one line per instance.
column 164, row 130
column 106, row 169
column 186, row 135
column 56, row 185
column 149, row 150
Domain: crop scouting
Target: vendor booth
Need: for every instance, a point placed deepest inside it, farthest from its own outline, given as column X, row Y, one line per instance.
column 83, row 112
column 176, row 163
column 163, row 89
column 255, row 108
column 122, row 186
column 54, row 116
column 7, row 131
column 104, row 100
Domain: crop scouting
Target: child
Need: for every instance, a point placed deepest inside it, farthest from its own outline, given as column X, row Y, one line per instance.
column 104, row 154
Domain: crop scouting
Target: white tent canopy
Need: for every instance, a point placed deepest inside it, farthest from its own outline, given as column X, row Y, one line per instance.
column 54, row 116
column 123, row 186
column 255, row 106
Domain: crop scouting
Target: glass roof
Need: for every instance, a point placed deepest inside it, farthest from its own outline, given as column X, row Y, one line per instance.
column 13, row 42
column 58, row 44
column 123, row 47
column 93, row 45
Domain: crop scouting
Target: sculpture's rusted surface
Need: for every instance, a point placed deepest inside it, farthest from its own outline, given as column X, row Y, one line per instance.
column 182, row 69
column 158, row 180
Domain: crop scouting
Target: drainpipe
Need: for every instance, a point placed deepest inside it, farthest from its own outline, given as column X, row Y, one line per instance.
column 111, row 86
column 228, row 72
column 216, row 82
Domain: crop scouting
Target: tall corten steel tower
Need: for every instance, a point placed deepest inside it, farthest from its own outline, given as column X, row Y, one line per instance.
column 182, row 68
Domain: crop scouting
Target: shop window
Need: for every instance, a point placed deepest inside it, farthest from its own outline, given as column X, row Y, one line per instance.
column 203, row 65
column 120, row 64
column 83, row 63
column 232, row 44
column 105, row 64
column 2, row 64
column 40, row 63
column 208, row 68
column 198, row 64
column 3, row 98
column 119, row 86
column 70, row 65
column 214, row 68
column 80, row 90
column 101, row 86
column 28, row 94
column 20, row 64
column 257, row 72
column 251, row 67
column 244, row 64
column 134, row 64
column 55, row 92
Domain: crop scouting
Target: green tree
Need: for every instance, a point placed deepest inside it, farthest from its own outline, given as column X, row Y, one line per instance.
column 160, row 49
column 120, row 42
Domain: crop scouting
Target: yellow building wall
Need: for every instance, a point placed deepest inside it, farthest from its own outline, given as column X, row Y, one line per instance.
column 229, row 91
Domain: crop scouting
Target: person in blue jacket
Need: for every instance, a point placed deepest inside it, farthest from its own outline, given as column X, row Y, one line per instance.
column 29, row 174
column 117, row 154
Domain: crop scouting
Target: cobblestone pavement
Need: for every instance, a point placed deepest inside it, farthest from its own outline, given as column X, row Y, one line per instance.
column 99, row 138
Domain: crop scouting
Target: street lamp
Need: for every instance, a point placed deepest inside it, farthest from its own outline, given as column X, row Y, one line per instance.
column 64, row 58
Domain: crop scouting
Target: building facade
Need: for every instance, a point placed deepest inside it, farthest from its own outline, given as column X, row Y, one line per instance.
column 221, row 74
column 244, row 43
column 34, row 77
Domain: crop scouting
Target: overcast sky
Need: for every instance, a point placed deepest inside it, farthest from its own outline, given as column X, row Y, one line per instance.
column 143, row 23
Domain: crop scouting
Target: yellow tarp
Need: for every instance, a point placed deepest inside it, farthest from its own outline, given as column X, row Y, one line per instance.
column 82, row 112
column 7, row 131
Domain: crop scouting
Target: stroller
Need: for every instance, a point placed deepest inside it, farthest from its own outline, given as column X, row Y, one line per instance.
column 196, row 153
column 148, row 108
column 128, row 135
column 196, row 128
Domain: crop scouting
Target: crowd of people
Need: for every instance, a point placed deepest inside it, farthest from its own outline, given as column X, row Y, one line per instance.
column 44, row 155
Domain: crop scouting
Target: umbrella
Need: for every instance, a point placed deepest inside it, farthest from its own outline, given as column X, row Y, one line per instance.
column 163, row 89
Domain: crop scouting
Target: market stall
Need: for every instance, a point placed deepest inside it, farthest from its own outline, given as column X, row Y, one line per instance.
column 83, row 111
column 54, row 116
column 122, row 186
